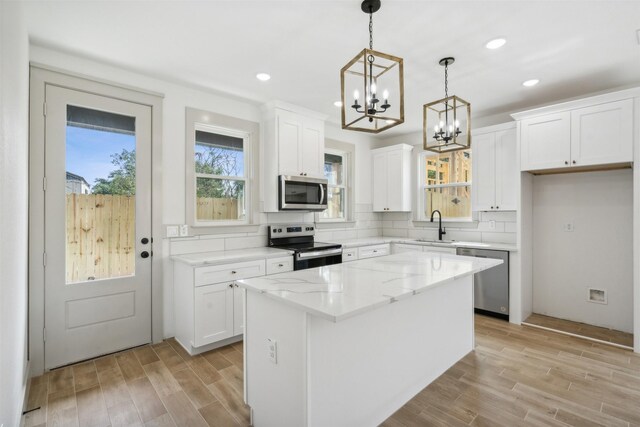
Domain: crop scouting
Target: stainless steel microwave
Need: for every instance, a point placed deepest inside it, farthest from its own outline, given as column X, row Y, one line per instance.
column 301, row 193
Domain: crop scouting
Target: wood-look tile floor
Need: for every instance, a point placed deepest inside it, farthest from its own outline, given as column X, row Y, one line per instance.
column 517, row 376
column 589, row 331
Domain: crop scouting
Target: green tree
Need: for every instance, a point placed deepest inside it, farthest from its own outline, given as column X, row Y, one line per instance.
column 122, row 180
column 213, row 160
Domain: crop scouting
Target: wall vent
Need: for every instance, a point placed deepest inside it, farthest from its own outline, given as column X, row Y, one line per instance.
column 597, row 295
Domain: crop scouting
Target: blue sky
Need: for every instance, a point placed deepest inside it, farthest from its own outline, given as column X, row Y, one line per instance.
column 89, row 151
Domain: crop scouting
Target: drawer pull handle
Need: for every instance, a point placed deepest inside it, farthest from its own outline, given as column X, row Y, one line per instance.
column 280, row 265
column 233, row 272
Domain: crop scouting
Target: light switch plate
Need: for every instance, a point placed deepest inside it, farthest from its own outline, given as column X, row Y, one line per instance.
column 173, row 231
column 272, row 349
column 184, row 230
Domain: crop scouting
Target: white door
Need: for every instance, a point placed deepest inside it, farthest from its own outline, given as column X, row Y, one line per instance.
column 546, row 142
column 602, row 134
column 97, row 225
column 484, row 172
column 289, row 136
column 379, row 182
column 507, row 170
column 213, row 313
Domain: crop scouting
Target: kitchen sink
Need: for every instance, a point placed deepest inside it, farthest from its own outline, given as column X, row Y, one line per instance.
column 436, row 241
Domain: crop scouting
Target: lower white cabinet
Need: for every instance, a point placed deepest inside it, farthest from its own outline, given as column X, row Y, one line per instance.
column 208, row 303
column 350, row 254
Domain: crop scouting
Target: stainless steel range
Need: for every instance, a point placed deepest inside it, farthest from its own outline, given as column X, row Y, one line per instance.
column 308, row 253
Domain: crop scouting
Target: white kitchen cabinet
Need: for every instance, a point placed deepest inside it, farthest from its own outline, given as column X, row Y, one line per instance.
column 374, row 251
column 350, row 254
column 213, row 320
column 391, row 171
column 495, row 169
column 300, row 143
column 592, row 135
column 602, row 134
column 293, row 144
column 208, row 303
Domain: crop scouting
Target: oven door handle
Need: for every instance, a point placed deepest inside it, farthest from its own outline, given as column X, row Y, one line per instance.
column 318, row 254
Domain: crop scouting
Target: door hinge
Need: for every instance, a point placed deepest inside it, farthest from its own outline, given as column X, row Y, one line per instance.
column 44, row 184
column 44, row 109
column 44, row 259
column 44, row 334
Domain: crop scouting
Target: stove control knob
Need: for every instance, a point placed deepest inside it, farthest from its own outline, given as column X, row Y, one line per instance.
column 279, row 230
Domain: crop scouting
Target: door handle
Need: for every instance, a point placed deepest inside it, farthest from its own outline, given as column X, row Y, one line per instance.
column 144, row 254
column 144, row 240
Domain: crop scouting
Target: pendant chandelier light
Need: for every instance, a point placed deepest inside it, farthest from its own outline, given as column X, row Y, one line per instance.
column 366, row 77
column 447, row 121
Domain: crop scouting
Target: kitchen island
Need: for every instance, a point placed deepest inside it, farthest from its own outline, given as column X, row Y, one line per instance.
column 349, row 344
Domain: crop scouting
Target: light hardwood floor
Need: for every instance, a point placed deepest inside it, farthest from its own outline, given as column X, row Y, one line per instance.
column 577, row 328
column 516, row 376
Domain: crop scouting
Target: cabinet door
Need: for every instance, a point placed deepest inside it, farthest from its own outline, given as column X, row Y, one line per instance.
column 312, row 150
column 373, row 251
column 546, row 142
column 379, row 182
column 484, row 172
column 213, row 313
column 289, row 143
column 507, row 170
column 602, row 134
column 238, row 310
column 395, row 184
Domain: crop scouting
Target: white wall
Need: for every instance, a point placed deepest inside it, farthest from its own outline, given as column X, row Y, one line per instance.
column 597, row 254
column 14, row 179
column 176, row 99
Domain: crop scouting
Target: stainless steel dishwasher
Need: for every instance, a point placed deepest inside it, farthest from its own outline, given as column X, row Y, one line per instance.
column 491, row 287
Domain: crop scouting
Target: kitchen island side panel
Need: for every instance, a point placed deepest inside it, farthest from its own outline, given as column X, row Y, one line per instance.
column 365, row 368
column 276, row 392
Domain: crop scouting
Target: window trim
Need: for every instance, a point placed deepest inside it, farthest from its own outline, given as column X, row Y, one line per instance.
column 348, row 153
column 228, row 126
column 422, row 187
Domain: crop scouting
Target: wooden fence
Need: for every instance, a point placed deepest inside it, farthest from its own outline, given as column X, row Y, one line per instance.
column 101, row 233
column 100, row 236
column 442, row 202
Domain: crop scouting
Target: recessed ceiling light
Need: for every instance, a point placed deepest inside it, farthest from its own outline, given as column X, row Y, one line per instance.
column 338, row 104
column 263, row 77
column 496, row 43
column 529, row 83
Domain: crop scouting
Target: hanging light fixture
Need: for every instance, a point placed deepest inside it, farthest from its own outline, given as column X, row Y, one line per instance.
column 369, row 72
column 447, row 121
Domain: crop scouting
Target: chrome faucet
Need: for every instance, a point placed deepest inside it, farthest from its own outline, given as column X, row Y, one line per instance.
column 441, row 231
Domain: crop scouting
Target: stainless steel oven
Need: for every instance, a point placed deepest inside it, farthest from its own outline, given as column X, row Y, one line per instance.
column 301, row 193
column 307, row 253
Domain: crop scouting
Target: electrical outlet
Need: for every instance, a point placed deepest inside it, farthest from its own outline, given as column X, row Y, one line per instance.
column 184, row 230
column 568, row 227
column 272, row 347
column 173, row 231
column 492, row 225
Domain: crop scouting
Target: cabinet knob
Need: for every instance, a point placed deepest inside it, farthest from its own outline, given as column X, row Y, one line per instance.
column 280, row 265
column 233, row 272
column 491, row 207
column 497, row 207
column 231, row 285
column 566, row 163
column 574, row 162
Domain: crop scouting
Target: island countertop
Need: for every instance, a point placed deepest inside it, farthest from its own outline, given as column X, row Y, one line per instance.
column 340, row 291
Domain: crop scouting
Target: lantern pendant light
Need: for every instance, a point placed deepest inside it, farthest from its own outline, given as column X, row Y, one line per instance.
column 371, row 74
column 447, row 121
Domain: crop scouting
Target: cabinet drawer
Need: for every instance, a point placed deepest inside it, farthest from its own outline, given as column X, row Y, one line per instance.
column 280, row 265
column 399, row 248
column 440, row 249
column 229, row 272
column 350, row 254
column 373, row 251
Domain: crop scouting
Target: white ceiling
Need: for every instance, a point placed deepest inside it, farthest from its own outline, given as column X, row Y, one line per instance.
column 573, row 47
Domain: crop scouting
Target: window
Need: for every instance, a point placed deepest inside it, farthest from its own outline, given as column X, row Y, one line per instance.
column 450, row 193
column 219, row 159
column 335, row 170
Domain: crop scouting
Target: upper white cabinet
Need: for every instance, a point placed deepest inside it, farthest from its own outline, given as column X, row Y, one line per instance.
column 495, row 168
column 293, row 145
column 580, row 135
column 392, row 178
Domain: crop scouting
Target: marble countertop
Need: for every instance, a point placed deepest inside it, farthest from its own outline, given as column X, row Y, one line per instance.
column 355, row 243
column 340, row 291
column 226, row 257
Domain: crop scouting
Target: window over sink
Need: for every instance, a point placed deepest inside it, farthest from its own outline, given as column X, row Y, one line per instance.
column 445, row 185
